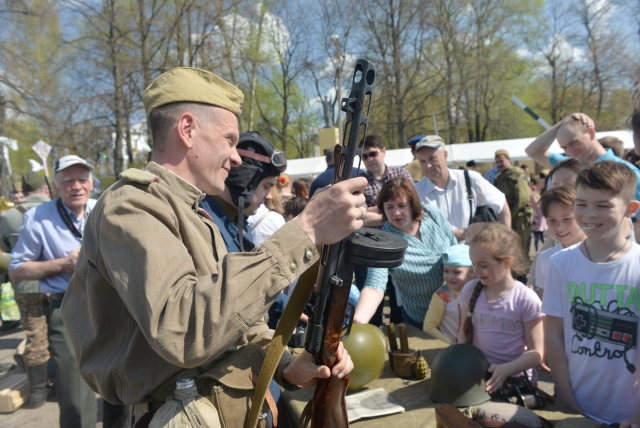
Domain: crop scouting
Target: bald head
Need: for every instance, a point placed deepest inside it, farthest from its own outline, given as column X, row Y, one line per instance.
column 578, row 140
column 573, row 125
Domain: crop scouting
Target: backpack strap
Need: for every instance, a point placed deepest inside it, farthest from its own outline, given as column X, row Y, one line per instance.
column 467, row 182
column 260, row 221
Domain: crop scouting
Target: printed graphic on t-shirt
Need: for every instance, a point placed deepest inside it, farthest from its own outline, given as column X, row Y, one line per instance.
column 444, row 296
column 494, row 323
column 608, row 323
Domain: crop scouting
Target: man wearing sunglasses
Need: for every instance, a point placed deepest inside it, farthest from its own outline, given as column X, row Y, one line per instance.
column 378, row 173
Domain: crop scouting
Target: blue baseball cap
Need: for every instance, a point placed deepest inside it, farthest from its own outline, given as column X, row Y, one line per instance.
column 415, row 140
column 457, row 255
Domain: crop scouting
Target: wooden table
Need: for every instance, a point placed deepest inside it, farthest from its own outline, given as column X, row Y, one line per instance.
column 410, row 393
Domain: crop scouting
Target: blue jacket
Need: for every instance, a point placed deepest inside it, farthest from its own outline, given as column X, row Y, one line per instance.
column 326, row 178
column 227, row 225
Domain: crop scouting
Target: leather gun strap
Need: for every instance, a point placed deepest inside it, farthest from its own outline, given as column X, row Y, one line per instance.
column 305, row 418
column 281, row 337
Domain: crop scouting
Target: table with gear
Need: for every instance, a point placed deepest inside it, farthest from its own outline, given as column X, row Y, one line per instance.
column 410, row 393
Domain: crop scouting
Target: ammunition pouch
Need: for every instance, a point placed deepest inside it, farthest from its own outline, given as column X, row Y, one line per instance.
column 229, row 386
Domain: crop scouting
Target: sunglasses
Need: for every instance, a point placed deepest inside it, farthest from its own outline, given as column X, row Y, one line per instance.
column 372, row 155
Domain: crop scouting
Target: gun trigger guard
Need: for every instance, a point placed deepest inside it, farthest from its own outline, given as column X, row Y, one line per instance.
column 349, row 321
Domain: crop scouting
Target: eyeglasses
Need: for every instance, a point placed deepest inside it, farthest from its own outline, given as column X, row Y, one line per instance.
column 372, row 155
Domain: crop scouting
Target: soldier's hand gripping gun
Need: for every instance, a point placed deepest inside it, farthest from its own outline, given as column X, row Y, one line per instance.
column 366, row 247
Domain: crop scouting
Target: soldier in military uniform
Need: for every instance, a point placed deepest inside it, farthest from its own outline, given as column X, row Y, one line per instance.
column 513, row 183
column 155, row 296
column 16, row 193
column 33, row 305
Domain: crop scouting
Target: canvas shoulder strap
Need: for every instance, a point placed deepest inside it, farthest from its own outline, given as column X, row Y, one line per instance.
column 260, row 221
column 281, row 337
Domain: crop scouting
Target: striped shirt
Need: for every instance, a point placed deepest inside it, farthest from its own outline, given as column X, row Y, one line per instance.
column 421, row 274
column 374, row 185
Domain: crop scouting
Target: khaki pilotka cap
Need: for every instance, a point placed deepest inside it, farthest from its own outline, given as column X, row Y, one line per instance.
column 501, row 152
column 31, row 181
column 16, row 187
column 185, row 84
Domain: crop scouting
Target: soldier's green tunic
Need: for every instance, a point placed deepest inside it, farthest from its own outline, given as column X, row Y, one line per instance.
column 513, row 183
column 33, row 305
column 156, row 297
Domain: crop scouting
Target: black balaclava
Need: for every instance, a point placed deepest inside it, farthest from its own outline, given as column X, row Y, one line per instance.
column 243, row 180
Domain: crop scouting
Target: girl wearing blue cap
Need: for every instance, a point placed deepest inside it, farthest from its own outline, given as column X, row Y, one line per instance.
column 443, row 317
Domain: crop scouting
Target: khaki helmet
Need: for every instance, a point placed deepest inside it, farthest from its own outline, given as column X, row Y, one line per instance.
column 367, row 349
column 458, row 376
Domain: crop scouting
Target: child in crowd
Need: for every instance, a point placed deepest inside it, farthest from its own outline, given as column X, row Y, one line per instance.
column 557, row 207
column 566, row 171
column 500, row 315
column 443, row 316
column 539, row 224
column 294, row 207
column 592, row 302
column 300, row 187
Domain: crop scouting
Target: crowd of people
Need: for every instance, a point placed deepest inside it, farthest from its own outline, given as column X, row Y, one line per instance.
column 172, row 270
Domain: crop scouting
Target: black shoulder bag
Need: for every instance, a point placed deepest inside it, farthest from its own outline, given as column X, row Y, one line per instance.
column 484, row 213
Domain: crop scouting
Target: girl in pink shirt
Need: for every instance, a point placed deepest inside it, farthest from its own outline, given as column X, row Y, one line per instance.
column 500, row 315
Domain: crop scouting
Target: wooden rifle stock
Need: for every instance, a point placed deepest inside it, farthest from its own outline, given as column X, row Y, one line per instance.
column 329, row 408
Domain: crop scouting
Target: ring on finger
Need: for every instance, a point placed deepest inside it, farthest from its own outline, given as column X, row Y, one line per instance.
column 363, row 213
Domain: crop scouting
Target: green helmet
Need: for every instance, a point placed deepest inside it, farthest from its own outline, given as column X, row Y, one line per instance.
column 458, row 376
column 367, row 348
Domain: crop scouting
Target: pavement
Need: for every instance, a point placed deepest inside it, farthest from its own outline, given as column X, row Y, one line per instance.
column 46, row 416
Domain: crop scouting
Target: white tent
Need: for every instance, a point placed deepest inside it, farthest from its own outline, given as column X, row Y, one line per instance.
column 458, row 153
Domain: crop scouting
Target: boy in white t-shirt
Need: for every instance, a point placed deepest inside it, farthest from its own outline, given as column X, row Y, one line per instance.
column 592, row 302
column 557, row 207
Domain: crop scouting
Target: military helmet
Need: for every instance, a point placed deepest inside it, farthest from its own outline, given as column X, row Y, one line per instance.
column 367, row 349
column 458, row 376
column 260, row 159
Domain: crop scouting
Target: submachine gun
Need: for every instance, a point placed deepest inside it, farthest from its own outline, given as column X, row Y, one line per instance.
column 327, row 307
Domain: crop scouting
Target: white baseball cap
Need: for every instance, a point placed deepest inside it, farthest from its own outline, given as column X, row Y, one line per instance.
column 69, row 160
column 431, row 141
